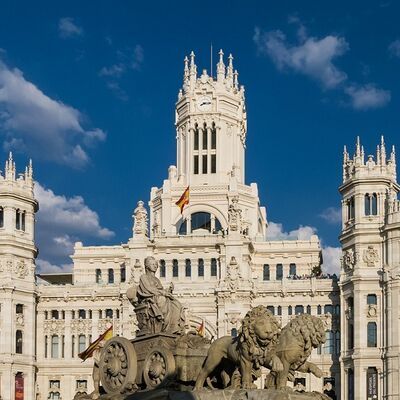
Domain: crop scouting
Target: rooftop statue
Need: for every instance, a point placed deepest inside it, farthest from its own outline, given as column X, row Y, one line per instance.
column 157, row 310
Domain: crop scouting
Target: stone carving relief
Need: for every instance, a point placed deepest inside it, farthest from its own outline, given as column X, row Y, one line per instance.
column 53, row 327
column 233, row 276
column 140, row 219
column 81, row 326
column 372, row 311
column 349, row 259
column 371, row 256
column 156, row 224
column 21, row 269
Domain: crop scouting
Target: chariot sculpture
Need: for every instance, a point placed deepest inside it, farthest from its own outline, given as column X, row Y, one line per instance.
column 163, row 355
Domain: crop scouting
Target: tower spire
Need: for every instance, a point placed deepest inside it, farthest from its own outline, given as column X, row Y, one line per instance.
column 383, row 151
column 221, row 67
column 192, row 69
column 229, row 75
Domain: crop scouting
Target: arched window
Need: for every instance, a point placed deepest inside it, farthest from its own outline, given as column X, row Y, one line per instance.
column 1, row 217
column 175, row 269
column 279, row 311
column 200, row 266
column 328, row 309
column 110, row 275
column 372, row 334
column 54, row 314
column 213, row 267
column 82, row 343
column 266, row 273
column 98, row 275
column 371, row 299
column 290, row 310
column 200, row 220
column 54, row 346
column 188, row 268
column 23, row 220
column 109, row 313
column 82, row 314
column 17, row 219
column 123, row 273
column 234, row 332
column 308, row 309
column 371, row 204
column 279, row 272
column 292, row 269
column 299, row 309
column 374, row 204
column 329, row 344
column 18, row 341
column 350, row 208
column 367, row 204
column 272, row 309
column 319, row 310
column 162, row 269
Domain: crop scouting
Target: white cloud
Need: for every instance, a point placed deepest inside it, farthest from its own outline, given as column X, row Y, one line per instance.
column 45, row 267
column 331, row 257
column 332, row 215
column 394, row 48
column 68, row 28
column 312, row 57
column 61, row 221
column 367, row 96
column 29, row 119
column 275, row 231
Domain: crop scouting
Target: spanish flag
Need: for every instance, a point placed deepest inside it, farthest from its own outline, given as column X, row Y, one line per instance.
column 108, row 334
column 201, row 330
column 183, row 200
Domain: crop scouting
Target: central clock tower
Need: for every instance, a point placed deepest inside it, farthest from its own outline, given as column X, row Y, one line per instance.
column 211, row 125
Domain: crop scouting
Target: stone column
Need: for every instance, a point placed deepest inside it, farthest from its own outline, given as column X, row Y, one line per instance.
column 68, row 335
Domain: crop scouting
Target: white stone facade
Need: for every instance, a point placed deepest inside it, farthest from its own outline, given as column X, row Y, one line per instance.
column 216, row 254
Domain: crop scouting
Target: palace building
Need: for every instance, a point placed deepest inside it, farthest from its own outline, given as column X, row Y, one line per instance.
column 218, row 257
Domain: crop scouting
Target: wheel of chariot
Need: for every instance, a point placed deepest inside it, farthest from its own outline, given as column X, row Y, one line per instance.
column 118, row 366
column 159, row 368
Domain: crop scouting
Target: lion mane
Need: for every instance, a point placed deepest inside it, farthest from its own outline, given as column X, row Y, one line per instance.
column 249, row 340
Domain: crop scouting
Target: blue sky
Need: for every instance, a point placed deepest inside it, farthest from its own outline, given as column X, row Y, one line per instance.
column 89, row 91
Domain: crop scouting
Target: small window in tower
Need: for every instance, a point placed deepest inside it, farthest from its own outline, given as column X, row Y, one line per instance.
column 299, row 309
column 374, row 204
column 19, row 308
column 292, row 269
column 337, row 342
column 279, row 310
column 213, row 163
column 371, row 299
column 109, row 313
column 205, row 145
column 23, row 220
column 54, row 314
column 319, row 309
column 367, row 204
column 162, row 269
column 200, row 267
column 351, row 210
column 290, row 310
column 196, row 164
column 98, row 275
column 196, row 138
column 308, row 310
column 372, row 334
column 82, row 314
column 123, row 273
column 54, row 346
column 17, row 219
column 213, row 137
column 1, row 217
column 213, row 267
column 201, row 220
column 18, row 342
column 204, row 161
column 188, row 268
column 175, row 269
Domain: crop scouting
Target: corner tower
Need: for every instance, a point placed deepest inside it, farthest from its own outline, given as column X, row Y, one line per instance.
column 17, row 282
column 368, row 183
column 211, row 125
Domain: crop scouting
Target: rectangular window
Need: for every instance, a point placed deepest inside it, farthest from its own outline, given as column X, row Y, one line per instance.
column 279, row 272
column 109, row 313
column 123, row 273
column 18, row 342
column 271, row 309
column 372, row 334
column 204, row 166
column 266, row 274
column 73, row 347
column 82, row 343
column 188, row 268
column 162, row 268
column 1, row 217
column 196, row 165
column 205, row 139
column 196, row 140
column 62, row 346
column 213, row 163
column 45, row 347
column 201, row 267
column 292, row 269
column 213, row 267
column 110, row 275
column 175, row 269
column 54, row 346
column 19, row 308
column 214, row 139
column 299, row 309
column 371, row 299
column 81, row 384
column 82, row 314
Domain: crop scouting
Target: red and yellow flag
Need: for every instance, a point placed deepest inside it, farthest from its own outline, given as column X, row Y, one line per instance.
column 183, row 200
column 201, row 330
column 108, row 334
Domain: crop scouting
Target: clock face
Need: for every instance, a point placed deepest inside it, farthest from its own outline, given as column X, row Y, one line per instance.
column 204, row 103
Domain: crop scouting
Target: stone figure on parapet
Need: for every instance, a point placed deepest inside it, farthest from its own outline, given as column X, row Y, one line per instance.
column 157, row 310
column 295, row 344
column 253, row 348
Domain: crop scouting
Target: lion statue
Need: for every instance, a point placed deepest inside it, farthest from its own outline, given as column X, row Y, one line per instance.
column 296, row 341
column 251, row 349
